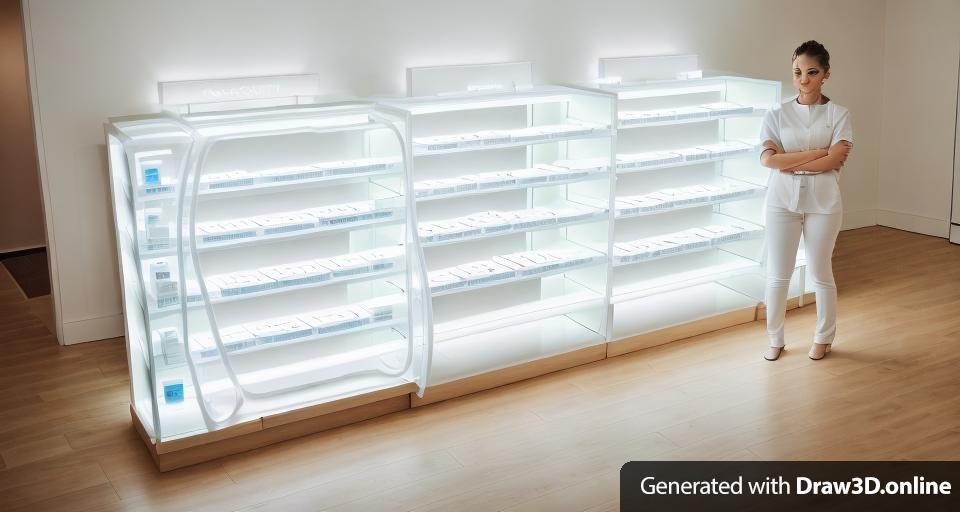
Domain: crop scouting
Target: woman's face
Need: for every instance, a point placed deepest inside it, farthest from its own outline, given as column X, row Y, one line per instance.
column 808, row 76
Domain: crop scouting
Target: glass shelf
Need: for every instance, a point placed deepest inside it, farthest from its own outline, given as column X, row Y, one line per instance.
column 242, row 183
column 560, row 173
column 386, row 312
column 728, row 230
column 627, row 119
column 694, row 196
column 649, row 161
column 266, row 229
column 496, row 139
column 511, row 268
column 495, row 223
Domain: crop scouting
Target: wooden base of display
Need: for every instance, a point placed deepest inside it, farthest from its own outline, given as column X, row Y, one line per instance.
column 280, row 427
column 268, row 430
column 509, row 375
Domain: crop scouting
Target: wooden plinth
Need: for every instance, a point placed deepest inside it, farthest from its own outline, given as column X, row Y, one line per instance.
column 268, row 430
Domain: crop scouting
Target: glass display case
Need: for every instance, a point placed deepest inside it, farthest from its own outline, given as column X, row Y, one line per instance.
column 688, row 237
column 266, row 262
column 513, row 203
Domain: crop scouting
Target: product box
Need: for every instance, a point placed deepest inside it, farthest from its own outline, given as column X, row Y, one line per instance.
column 346, row 265
column 242, row 283
column 299, row 273
column 479, row 273
column 292, row 173
column 225, row 231
column 384, row 258
column 170, row 345
column 693, row 154
column 446, row 279
column 530, row 176
column 436, row 143
column 489, row 222
column 229, row 179
column 285, row 222
column 279, row 330
column 494, row 137
column 233, row 338
column 336, row 320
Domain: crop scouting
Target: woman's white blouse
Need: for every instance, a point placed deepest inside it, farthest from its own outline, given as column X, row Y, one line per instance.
column 796, row 127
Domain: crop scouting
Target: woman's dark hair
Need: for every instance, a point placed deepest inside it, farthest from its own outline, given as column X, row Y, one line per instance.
column 815, row 50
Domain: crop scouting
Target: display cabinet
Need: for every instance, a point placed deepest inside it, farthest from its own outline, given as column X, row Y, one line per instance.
column 266, row 263
column 513, row 203
column 688, row 237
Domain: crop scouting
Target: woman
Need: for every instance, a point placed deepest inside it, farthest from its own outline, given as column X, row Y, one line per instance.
column 805, row 142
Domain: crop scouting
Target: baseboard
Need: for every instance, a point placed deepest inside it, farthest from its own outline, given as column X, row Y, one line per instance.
column 859, row 219
column 955, row 233
column 92, row 329
column 914, row 223
column 13, row 252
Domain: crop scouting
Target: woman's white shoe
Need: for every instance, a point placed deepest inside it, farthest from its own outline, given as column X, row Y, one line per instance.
column 819, row 350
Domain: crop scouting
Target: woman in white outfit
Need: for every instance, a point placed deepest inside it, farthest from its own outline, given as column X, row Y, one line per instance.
column 806, row 140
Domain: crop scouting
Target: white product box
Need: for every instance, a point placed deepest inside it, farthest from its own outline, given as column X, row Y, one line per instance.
column 692, row 113
column 531, row 134
column 381, row 308
column 689, row 240
column 384, row 258
column 724, row 108
column 456, row 185
column 242, row 283
column 557, row 173
column 279, row 330
column 233, row 339
column 446, row 279
column 659, row 246
column 535, row 217
column 339, row 214
column 446, row 230
column 334, row 320
column 493, row 180
column 346, row 265
column 494, row 137
column 293, row 173
column 285, row 222
column 585, row 165
column 726, row 149
column 489, row 222
column 478, row 273
column 166, row 292
column 530, row 176
column 436, row 143
column 229, row 179
column 170, row 345
column 225, row 231
column 534, row 262
column 693, row 154
column 160, row 270
column 299, row 273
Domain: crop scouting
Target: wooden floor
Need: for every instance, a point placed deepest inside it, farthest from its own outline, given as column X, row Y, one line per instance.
column 890, row 390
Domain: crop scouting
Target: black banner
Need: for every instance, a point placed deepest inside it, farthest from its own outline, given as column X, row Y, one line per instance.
column 722, row 486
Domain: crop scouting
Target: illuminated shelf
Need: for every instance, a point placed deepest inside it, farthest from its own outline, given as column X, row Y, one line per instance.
column 696, row 196
column 627, row 119
column 509, row 346
column 503, row 270
column 685, row 242
column 651, row 161
column 684, row 271
column 560, row 173
column 287, row 226
column 362, row 316
column 491, row 224
column 242, row 183
column 498, row 139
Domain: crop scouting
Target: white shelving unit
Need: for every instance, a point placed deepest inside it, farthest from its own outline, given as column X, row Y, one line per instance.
column 265, row 259
column 688, row 237
column 513, row 203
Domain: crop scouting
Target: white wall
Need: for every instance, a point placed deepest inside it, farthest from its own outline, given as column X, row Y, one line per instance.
column 21, row 214
column 921, row 55
column 96, row 59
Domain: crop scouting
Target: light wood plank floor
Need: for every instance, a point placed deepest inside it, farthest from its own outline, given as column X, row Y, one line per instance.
column 890, row 390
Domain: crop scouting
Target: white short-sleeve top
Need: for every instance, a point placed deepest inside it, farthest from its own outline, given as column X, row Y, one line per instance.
column 796, row 127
